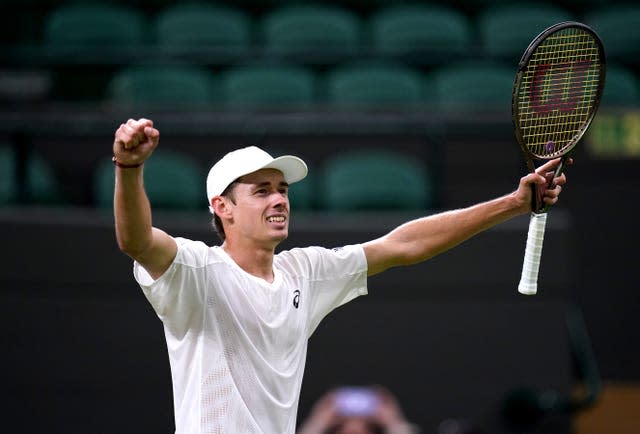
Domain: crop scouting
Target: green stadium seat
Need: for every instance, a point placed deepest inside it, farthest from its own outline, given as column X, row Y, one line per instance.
column 375, row 180
column 473, row 86
column 202, row 25
column 41, row 185
column 269, row 86
column 619, row 27
column 426, row 33
column 108, row 25
column 375, row 85
column 507, row 30
column 104, row 184
column 311, row 30
column 162, row 87
column 622, row 87
column 172, row 179
column 82, row 34
column 302, row 194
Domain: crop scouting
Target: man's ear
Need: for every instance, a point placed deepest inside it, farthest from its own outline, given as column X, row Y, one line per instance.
column 220, row 207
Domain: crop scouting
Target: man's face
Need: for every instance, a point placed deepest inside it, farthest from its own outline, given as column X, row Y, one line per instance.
column 261, row 210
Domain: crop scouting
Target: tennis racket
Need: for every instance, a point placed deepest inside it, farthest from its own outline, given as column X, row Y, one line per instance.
column 555, row 96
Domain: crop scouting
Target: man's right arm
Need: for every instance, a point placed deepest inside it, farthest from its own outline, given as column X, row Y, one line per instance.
column 153, row 248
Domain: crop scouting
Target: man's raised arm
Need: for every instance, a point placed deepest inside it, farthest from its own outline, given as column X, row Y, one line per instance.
column 152, row 248
column 421, row 239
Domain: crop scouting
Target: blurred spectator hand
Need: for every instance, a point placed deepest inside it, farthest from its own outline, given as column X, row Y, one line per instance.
column 357, row 410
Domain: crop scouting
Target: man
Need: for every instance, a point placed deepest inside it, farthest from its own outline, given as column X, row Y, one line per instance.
column 237, row 316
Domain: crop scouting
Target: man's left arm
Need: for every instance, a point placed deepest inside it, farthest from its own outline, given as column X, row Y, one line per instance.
column 424, row 238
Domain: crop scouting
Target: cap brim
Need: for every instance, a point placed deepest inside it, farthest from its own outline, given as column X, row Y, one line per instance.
column 293, row 168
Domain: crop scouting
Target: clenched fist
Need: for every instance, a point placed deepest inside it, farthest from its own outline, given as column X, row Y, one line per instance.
column 134, row 142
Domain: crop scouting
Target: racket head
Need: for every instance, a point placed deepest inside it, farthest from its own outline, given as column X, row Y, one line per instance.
column 557, row 89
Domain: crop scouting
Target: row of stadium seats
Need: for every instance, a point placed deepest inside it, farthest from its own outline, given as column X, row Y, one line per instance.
column 41, row 185
column 424, row 32
column 459, row 85
column 357, row 180
column 382, row 85
column 415, row 40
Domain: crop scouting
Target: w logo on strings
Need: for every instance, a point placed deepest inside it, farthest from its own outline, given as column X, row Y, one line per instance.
column 559, row 86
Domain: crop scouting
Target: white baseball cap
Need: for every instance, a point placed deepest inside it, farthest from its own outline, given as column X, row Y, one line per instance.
column 247, row 160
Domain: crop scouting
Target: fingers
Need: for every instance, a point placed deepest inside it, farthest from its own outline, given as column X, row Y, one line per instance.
column 554, row 188
column 547, row 187
column 134, row 132
column 534, row 178
column 552, row 195
column 153, row 135
column 549, row 169
column 552, row 165
column 135, row 141
column 560, row 180
column 549, row 166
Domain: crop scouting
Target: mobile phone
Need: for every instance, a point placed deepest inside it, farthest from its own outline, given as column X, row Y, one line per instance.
column 356, row 401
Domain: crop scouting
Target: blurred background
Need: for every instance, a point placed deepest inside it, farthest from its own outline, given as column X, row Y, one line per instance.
column 401, row 109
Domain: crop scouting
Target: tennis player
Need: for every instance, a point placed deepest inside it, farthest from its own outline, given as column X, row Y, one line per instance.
column 237, row 316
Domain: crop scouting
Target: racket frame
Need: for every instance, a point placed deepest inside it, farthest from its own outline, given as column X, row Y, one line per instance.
column 528, row 281
column 530, row 157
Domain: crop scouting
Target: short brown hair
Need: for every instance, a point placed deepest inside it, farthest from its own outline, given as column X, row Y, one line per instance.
column 217, row 223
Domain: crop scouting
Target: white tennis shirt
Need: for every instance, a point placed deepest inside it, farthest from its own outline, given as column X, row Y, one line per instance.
column 238, row 344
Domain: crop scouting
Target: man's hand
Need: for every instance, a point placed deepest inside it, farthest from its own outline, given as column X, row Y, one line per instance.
column 135, row 141
column 548, row 188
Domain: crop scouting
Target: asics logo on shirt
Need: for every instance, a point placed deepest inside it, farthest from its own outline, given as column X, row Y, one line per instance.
column 296, row 298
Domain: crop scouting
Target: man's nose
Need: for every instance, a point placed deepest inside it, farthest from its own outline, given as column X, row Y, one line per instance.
column 280, row 200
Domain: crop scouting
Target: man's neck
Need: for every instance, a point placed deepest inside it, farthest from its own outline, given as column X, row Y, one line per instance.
column 254, row 260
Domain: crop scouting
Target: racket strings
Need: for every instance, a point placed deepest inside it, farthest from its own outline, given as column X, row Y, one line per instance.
column 558, row 91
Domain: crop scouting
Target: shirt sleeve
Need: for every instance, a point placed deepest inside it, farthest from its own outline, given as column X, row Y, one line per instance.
column 177, row 295
column 336, row 276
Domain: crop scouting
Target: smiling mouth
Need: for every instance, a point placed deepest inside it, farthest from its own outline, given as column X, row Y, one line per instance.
column 276, row 219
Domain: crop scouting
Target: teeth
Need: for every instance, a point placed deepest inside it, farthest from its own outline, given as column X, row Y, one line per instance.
column 278, row 219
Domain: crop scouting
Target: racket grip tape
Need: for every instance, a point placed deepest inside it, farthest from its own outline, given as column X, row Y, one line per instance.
column 529, row 279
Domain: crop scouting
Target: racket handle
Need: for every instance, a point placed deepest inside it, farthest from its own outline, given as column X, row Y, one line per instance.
column 529, row 279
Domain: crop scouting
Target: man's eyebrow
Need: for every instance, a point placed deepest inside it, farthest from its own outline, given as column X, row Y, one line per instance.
column 268, row 183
